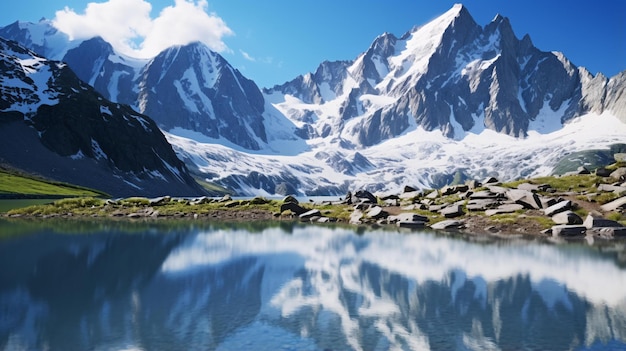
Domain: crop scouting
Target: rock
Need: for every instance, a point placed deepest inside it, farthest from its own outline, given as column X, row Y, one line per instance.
column 225, row 198
column 608, row 232
column 159, row 201
column 473, row 184
column 614, row 205
column 348, row 199
column 324, row 220
column 497, row 189
column 407, row 217
column 408, row 189
column 293, row 207
column 619, row 174
column 558, row 207
column 258, row 200
column 595, row 222
column 231, row 204
column 436, row 208
column 310, row 214
column 290, row 199
column 355, row 217
column 200, row 201
column 603, row 172
column 486, row 194
column 547, row 202
column 452, row 211
column 411, row 224
column 366, row 195
column 410, row 195
column 525, row 198
column 376, row 212
column 583, row 170
column 567, row 217
column 619, row 157
column 619, row 190
column 566, row 230
column 432, row 195
column 528, row 187
column 490, row 180
column 391, row 202
column 506, row 208
column 448, row 224
column 482, row 204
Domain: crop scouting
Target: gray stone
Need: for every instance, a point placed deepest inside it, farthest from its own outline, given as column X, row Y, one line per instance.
column 619, row 190
column 290, row 199
column 567, row 217
column 310, row 214
column 614, row 205
column 159, row 201
column 408, row 189
column 433, row 195
column 490, row 180
column 506, row 208
column 473, row 184
column 408, row 217
column 482, row 204
column 355, row 217
column 528, row 187
column 558, row 207
column 226, row 198
column 620, row 157
column 452, row 211
column 436, row 208
column 293, row 207
column 410, row 195
column 603, row 172
column 366, row 195
column 595, row 222
column 448, row 224
column 411, row 224
column 566, row 230
column 486, row 194
column 525, row 198
column 619, row 174
column 497, row 189
column 547, row 202
column 376, row 212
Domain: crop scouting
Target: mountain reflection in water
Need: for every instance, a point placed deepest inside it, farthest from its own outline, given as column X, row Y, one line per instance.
column 295, row 287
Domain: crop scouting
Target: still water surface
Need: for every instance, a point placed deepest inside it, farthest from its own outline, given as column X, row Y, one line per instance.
column 184, row 286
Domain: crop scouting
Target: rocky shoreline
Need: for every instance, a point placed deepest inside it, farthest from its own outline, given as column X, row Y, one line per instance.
column 573, row 206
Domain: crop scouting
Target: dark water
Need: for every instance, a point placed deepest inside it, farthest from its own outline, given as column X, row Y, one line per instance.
column 183, row 286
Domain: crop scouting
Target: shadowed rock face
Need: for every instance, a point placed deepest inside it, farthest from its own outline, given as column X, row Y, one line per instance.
column 57, row 126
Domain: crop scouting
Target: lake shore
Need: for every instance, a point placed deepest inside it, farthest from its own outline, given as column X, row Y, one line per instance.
column 570, row 206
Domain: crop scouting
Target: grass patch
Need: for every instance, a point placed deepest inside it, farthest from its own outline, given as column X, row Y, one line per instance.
column 17, row 184
column 78, row 206
column 571, row 182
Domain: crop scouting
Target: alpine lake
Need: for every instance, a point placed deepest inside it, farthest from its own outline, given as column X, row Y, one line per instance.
column 200, row 285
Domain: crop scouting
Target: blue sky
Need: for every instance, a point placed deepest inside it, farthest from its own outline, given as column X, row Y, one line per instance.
column 274, row 41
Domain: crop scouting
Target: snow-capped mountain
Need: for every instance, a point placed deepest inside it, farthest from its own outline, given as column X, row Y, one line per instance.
column 452, row 75
column 55, row 125
column 449, row 99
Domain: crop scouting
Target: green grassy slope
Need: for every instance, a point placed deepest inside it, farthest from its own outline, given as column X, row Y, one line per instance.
column 17, row 185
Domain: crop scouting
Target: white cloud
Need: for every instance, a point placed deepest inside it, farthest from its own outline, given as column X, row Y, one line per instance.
column 247, row 56
column 127, row 25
